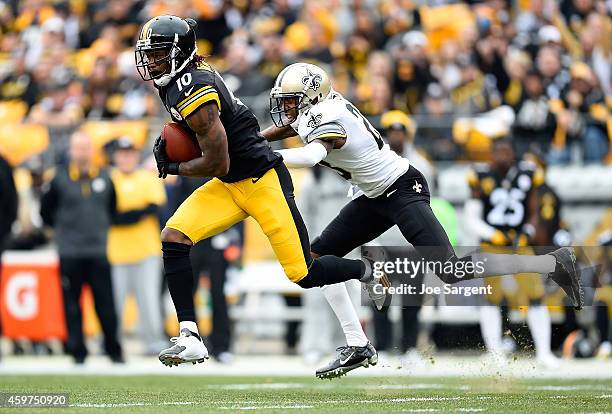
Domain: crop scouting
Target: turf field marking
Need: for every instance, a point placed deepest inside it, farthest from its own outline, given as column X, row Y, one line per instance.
column 124, row 405
column 416, row 386
column 577, row 387
column 271, row 386
column 269, row 407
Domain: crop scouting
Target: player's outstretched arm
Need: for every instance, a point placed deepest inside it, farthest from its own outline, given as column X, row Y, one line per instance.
column 212, row 138
column 274, row 133
column 307, row 156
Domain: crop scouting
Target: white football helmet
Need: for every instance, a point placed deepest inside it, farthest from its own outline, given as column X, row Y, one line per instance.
column 297, row 88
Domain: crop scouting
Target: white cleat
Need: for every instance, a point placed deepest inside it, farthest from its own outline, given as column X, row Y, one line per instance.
column 548, row 361
column 188, row 347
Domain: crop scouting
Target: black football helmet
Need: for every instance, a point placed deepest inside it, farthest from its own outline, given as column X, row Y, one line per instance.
column 166, row 45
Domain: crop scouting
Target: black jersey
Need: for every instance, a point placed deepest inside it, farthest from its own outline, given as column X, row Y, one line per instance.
column 249, row 152
column 505, row 197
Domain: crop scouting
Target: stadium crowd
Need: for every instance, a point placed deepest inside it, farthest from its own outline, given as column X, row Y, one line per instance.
column 465, row 73
column 71, row 61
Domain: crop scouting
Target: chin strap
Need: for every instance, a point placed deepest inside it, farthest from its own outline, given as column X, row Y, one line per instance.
column 165, row 79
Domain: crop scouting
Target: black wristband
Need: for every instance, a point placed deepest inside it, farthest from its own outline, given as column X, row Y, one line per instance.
column 173, row 168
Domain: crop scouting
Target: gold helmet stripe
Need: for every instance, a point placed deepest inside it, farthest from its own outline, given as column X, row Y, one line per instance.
column 145, row 29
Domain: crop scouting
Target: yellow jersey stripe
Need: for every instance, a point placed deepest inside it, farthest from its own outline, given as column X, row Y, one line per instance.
column 207, row 97
column 329, row 135
column 193, row 95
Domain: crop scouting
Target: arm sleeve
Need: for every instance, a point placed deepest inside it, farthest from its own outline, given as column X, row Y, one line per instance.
column 307, row 156
column 331, row 130
column 473, row 219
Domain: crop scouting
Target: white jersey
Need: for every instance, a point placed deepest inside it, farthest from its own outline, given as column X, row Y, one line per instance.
column 364, row 160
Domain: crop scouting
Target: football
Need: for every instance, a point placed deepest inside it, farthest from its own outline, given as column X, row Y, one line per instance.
column 181, row 143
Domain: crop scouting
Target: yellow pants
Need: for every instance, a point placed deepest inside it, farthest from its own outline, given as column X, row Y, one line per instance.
column 216, row 206
column 529, row 286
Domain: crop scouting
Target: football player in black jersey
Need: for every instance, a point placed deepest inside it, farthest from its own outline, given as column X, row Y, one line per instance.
column 550, row 230
column 250, row 179
column 503, row 212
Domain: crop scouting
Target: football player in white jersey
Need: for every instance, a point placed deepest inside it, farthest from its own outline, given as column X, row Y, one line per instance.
column 386, row 191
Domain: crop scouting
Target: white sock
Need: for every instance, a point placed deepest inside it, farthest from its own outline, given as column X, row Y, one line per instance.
column 538, row 319
column 491, row 328
column 507, row 264
column 192, row 326
column 338, row 298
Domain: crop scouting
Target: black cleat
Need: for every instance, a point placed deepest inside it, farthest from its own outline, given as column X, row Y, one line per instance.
column 567, row 276
column 350, row 357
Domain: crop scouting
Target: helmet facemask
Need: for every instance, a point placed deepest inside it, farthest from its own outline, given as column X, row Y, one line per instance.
column 297, row 89
column 147, row 62
column 286, row 108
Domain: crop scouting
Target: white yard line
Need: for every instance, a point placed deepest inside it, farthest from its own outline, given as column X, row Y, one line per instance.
column 269, row 407
column 416, row 386
column 577, row 387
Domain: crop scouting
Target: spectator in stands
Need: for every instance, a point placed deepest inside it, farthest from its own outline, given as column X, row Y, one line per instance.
column 240, row 60
column 121, row 14
column 435, row 132
column 475, row 93
column 273, row 57
column 79, row 204
column 596, row 58
column 133, row 242
column 534, row 123
column 516, row 64
column 555, row 77
column 412, row 71
column 585, row 103
column 100, row 90
column 582, row 114
column 57, row 108
column 19, row 84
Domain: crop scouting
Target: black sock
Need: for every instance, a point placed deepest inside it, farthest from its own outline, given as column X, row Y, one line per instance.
column 327, row 270
column 177, row 269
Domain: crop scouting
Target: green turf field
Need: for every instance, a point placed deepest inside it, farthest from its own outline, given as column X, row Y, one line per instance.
column 189, row 394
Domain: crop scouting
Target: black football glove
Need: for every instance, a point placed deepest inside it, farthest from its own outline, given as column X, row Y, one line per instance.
column 164, row 165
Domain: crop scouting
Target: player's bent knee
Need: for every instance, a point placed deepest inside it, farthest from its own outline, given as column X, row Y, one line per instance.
column 171, row 235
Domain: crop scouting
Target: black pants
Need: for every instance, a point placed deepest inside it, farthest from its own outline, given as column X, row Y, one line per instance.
column 95, row 271
column 206, row 259
column 405, row 204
